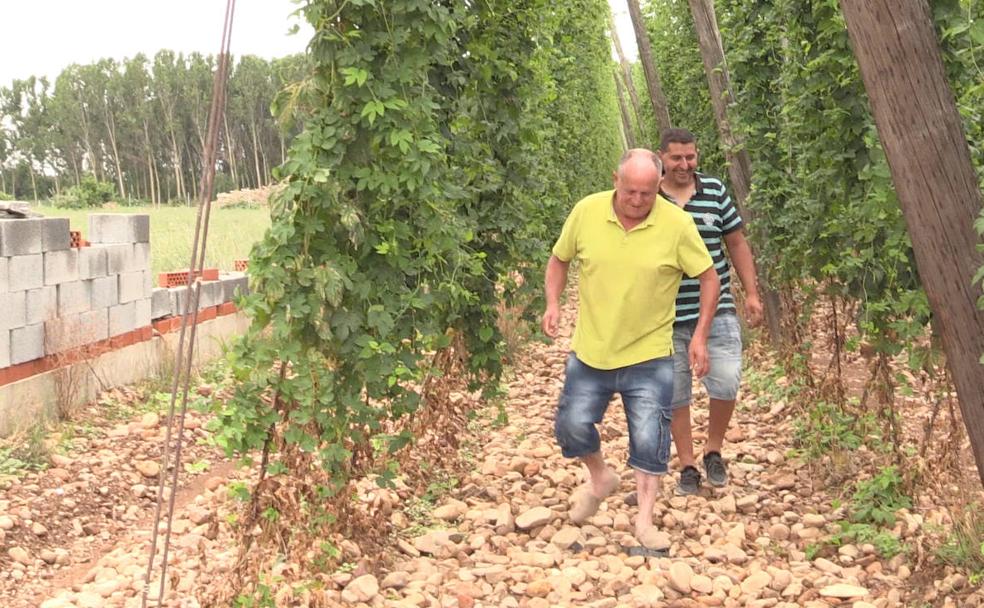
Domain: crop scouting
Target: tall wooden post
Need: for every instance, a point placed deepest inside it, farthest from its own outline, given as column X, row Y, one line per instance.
column 919, row 127
column 656, row 97
column 739, row 164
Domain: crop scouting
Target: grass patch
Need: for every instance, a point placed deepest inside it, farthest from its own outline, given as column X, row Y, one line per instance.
column 231, row 232
column 23, row 453
column 964, row 546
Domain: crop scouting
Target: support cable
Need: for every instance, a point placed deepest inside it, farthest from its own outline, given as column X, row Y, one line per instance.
column 184, row 356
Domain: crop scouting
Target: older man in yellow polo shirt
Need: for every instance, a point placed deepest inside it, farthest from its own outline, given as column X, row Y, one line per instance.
column 633, row 247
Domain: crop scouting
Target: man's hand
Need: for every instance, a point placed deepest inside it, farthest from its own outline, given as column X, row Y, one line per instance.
column 551, row 321
column 554, row 284
column 699, row 363
column 753, row 310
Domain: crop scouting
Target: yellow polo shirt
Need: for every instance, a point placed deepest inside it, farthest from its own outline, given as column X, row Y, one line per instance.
column 628, row 279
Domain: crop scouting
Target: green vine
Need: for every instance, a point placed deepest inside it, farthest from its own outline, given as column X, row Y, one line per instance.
column 421, row 192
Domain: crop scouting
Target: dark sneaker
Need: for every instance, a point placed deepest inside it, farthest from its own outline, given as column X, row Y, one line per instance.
column 689, row 483
column 717, row 473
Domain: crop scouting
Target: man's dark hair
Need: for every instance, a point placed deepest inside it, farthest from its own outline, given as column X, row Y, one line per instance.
column 675, row 136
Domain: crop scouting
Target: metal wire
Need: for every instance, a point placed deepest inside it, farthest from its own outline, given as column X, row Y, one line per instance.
column 189, row 320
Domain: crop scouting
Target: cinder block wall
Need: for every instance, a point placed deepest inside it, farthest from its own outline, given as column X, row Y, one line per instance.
column 55, row 298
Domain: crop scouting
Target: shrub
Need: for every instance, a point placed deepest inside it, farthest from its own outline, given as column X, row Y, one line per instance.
column 89, row 193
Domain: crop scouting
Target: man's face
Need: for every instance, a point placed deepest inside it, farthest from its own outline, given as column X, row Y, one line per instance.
column 680, row 162
column 636, row 187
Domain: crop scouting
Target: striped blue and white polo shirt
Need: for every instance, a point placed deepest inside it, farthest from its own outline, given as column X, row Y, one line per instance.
column 715, row 216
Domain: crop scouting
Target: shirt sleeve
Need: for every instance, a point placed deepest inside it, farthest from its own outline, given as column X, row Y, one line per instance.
column 730, row 220
column 566, row 246
column 692, row 254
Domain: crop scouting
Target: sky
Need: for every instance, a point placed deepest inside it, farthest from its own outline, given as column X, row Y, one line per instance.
column 623, row 23
column 42, row 37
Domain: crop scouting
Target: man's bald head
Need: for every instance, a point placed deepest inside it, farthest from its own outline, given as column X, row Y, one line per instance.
column 637, row 182
column 639, row 158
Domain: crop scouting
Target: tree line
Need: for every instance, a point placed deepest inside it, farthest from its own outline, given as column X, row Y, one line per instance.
column 140, row 125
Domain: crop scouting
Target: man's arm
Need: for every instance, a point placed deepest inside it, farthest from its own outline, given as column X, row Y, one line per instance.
column 710, row 291
column 554, row 284
column 741, row 258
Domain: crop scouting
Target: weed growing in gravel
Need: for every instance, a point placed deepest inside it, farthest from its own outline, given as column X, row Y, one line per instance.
column 886, row 544
column 783, row 381
column 261, row 598
column 24, row 452
column 876, row 500
column 872, row 513
column 828, row 428
column 964, row 546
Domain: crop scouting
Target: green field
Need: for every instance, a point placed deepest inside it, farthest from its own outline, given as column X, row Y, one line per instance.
column 231, row 233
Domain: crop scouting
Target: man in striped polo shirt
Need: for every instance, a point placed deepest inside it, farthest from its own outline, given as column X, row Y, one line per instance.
column 717, row 219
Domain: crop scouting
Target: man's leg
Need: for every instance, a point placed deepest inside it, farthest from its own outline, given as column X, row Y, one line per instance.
column 722, row 381
column 648, row 486
column 582, row 406
column 683, row 437
column 599, row 474
column 647, row 392
column 719, row 418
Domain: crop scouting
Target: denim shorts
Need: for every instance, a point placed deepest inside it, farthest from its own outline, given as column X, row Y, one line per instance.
column 723, row 352
column 646, row 389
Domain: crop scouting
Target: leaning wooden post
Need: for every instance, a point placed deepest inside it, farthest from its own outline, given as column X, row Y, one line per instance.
column 898, row 52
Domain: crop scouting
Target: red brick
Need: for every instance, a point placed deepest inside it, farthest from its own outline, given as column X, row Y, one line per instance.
column 226, row 308
column 207, row 314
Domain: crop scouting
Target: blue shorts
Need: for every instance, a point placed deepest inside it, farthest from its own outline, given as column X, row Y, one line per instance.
column 723, row 353
column 646, row 389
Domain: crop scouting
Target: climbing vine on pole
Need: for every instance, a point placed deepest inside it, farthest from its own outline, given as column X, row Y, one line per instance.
column 418, row 194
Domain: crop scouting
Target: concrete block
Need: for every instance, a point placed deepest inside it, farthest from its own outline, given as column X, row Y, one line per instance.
column 54, row 234
column 148, row 284
column 142, row 312
column 211, row 294
column 61, row 266
column 234, row 284
column 94, row 326
column 74, row 298
column 131, row 286
column 62, row 333
column 92, row 262
column 119, row 228
column 4, row 348
column 119, row 257
column 122, row 318
column 141, row 256
column 4, row 275
column 160, row 303
column 13, row 309
column 42, row 304
column 105, row 292
column 26, row 271
column 178, row 295
column 20, row 236
column 26, row 343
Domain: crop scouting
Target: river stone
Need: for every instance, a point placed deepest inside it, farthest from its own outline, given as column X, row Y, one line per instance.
column 537, row 516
